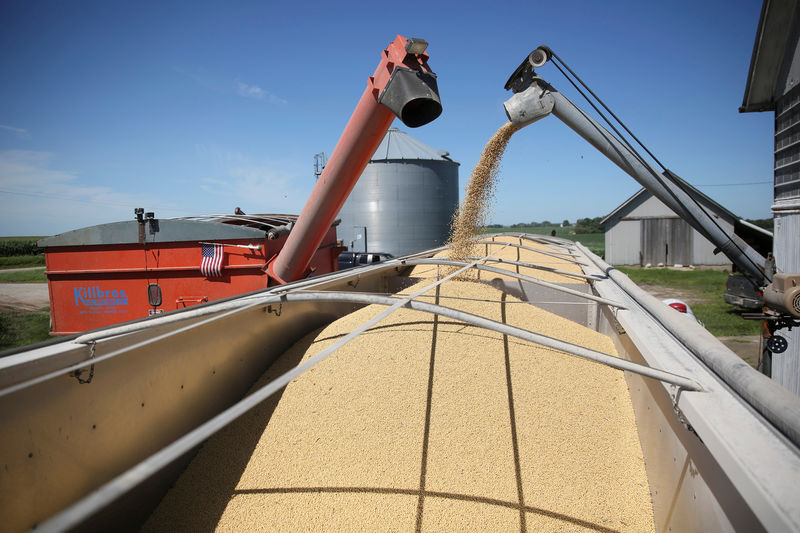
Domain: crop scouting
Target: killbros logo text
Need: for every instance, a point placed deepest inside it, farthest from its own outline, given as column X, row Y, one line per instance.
column 95, row 299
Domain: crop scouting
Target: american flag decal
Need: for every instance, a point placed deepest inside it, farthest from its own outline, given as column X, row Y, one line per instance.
column 211, row 265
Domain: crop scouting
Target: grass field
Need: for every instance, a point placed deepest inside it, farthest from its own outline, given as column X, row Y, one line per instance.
column 596, row 242
column 26, row 276
column 21, row 261
column 19, row 329
column 705, row 289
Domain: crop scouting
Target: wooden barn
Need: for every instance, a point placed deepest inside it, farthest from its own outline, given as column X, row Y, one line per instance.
column 642, row 230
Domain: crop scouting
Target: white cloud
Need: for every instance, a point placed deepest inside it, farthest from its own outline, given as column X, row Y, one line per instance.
column 21, row 133
column 254, row 91
column 258, row 186
column 36, row 199
column 223, row 86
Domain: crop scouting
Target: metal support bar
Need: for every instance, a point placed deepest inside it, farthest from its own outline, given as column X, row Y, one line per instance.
column 549, row 241
column 246, row 300
column 525, row 107
column 661, row 185
column 523, row 277
column 543, row 268
column 775, row 403
column 107, row 493
column 559, row 255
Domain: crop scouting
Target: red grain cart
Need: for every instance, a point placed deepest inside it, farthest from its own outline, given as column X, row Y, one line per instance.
column 110, row 273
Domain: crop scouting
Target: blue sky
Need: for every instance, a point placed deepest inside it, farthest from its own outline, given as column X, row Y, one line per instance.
column 199, row 107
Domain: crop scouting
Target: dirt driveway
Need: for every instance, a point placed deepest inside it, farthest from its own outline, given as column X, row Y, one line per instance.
column 745, row 346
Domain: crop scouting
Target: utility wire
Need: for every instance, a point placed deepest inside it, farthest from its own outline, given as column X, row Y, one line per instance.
column 607, row 109
column 733, row 184
column 660, row 178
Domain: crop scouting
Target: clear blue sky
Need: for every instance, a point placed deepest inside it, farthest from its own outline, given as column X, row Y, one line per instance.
column 199, row 107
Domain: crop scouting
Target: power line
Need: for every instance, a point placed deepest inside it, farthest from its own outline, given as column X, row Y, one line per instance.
column 733, row 184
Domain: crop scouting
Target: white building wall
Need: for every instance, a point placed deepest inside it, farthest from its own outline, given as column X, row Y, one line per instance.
column 703, row 250
column 623, row 239
column 623, row 243
column 652, row 207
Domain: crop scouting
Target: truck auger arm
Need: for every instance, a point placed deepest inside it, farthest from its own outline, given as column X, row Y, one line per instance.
column 404, row 86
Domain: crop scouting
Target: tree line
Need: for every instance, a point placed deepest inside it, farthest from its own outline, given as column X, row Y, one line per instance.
column 582, row 225
column 592, row 225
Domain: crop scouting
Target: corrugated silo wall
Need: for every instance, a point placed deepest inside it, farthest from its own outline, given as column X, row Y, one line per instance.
column 406, row 206
column 786, row 366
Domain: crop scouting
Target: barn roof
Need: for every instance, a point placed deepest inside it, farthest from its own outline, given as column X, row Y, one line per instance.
column 767, row 69
column 706, row 200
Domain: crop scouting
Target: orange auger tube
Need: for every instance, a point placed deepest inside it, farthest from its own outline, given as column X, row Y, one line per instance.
column 403, row 85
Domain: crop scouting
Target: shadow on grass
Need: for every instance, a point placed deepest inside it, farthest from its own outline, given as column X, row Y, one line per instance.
column 20, row 328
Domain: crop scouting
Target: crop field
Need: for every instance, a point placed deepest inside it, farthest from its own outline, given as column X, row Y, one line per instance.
column 11, row 247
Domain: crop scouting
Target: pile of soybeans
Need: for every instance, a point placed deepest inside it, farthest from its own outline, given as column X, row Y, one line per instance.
column 423, row 423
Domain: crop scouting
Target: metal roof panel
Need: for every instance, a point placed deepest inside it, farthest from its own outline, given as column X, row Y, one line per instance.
column 398, row 145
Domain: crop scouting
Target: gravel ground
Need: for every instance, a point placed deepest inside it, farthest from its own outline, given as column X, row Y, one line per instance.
column 23, row 296
column 745, row 346
column 22, row 269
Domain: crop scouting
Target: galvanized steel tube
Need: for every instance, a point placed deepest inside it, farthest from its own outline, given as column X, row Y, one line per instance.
column 779, row 406
column 661, row 186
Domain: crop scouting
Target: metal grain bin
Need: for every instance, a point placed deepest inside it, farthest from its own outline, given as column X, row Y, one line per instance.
column 403, row 201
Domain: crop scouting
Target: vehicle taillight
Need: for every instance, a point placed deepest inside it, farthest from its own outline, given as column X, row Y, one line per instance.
column 678, row 306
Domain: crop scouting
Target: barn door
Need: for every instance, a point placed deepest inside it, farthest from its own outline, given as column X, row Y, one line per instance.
column 667, row 241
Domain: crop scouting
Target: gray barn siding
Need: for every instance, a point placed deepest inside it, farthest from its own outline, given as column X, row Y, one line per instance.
column 644, row 230
column 667, row 241
column 786, row 366
column 650, row 207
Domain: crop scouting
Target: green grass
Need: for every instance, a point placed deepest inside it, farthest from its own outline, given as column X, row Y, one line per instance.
column 26, row 276
column 706, row 288
column 19, row 329
column 21, row 261
column 596, row 242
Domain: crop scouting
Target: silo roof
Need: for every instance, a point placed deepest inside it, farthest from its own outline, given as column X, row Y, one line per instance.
column 398, row 145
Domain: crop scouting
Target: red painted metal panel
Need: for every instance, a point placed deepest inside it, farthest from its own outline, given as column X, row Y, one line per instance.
column 97, row 286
